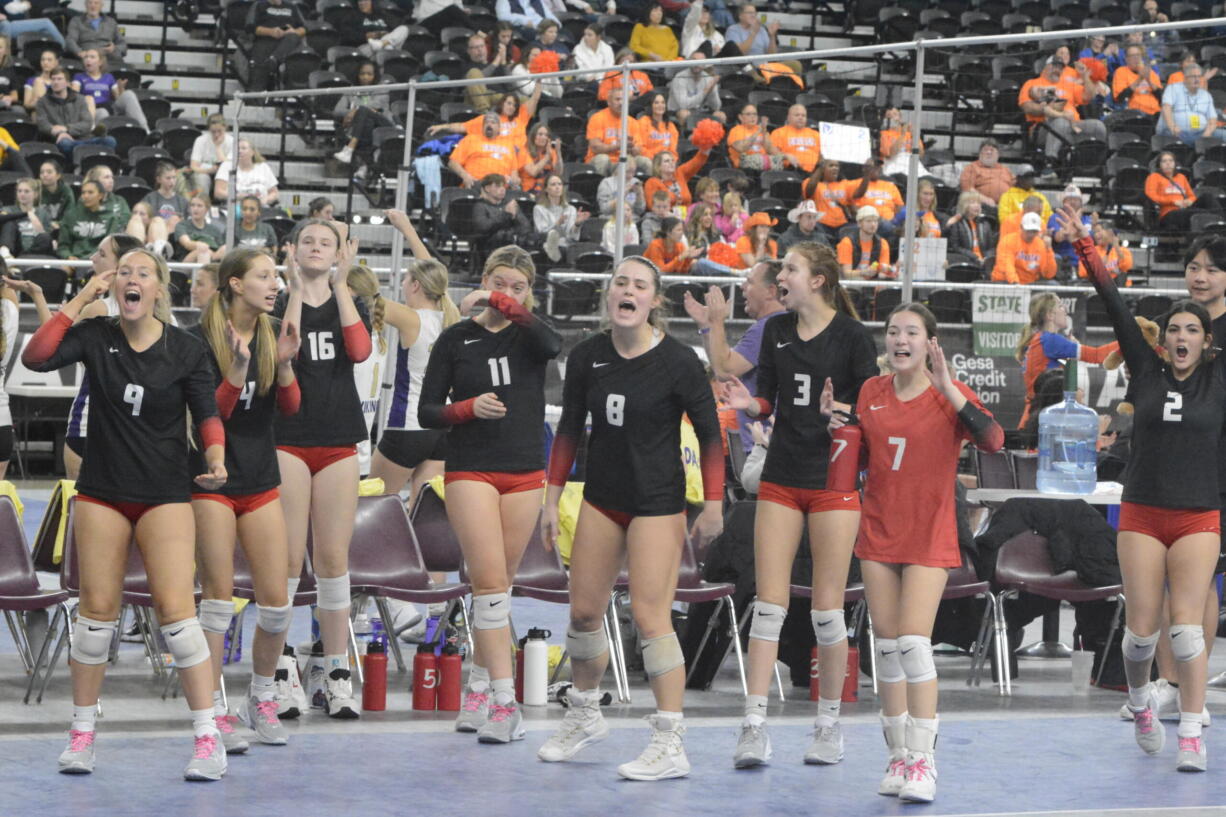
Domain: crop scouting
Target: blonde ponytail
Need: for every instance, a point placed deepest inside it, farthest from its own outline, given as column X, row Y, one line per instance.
column 431, row 276
column 1040, row 305
column 366, row 287
column 236, row 264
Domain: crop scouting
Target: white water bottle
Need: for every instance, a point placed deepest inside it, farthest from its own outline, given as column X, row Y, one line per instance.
column 536, row 668
column 361, row 632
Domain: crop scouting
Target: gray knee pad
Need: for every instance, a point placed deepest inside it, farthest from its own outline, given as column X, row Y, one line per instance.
column 274, row 619
column 915, row 655
column 186, row 642
column 662, row 654
column 889, row 669
column 91, row 640
column 586, row 646
column 491, row 611
column 333, row 594
column 828, row 626
column 767, row 621
column 1138, row 648
column 215, row 615
column 1187, row 641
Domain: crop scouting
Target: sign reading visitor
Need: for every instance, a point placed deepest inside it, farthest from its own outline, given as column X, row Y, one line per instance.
column 845, row 143
column 998, row 314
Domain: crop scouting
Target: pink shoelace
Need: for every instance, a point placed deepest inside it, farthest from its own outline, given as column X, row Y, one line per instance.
column 499, row 713
column 897, row 768
column 205, row 744
column 267, row 710
column 1144, row 720
column 225, row 723
column 919, row 770
column 473, row 701
column 79, row 741
column 1186, row 745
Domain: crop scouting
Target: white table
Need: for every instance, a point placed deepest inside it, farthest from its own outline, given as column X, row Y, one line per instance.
column 984, row 496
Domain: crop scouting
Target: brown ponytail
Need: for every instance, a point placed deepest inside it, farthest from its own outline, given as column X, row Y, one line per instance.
column 822, row 261
column 236, row 264
column 1040, row 305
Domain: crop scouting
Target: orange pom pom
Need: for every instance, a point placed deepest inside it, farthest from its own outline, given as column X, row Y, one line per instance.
column 707, row 134
column 545, row 62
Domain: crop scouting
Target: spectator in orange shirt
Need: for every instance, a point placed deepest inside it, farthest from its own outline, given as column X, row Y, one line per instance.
column 669, row 251
column 757, row 243
column 864, row 253
column 1136, row 82
column 542, row 158
column 1116, row 258
column 479, row 155
column 986, row 175
column 881, row 195
column 749, row 145
column 1024, row 257
column 513, row 119
column 640, row 83
column 604, row 135
column 1049, row 98
column 1172, row 193
column 798, row 144
column 666, row 175
column 658, row 133
column 830, row 194
column 968, row 232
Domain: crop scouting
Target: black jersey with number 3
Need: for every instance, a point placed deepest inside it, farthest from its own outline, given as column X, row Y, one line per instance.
column 137, row 447
column 251, row 455
column 469, row 360
column 634, row 452
column 791, row 375
column 331, row 412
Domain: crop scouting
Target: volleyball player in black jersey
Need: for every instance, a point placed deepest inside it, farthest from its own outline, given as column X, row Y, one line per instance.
column 637, row 382
column 317, row 446
column 254, row 380
column 493, row 369
column 1169, row 525
column 144, row 376
column 819, row 345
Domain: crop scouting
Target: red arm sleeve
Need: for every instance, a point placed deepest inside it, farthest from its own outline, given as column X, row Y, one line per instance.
column 289, row 398
column 46, row 340
column 764, row 407
column 561, row 459
column 357, row 341
column 711, row 459
column 212, row 432
column 462, row 412
column 1097, row 354
column 511, row 308
column 227, row 395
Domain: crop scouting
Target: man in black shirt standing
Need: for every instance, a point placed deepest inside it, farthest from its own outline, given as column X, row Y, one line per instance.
column 279, row 29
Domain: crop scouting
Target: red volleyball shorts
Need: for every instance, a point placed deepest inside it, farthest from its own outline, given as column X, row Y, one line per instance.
column 1167, row 525
column 243, row 504
column 319, row 457
column 808, row 500
column 619, row 518
column 132, row 511
column 504, row 482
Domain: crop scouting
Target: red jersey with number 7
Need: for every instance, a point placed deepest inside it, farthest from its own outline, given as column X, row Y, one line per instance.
column 907, row 516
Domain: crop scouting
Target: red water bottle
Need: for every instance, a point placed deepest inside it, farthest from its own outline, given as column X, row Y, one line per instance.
column 844, row 471
column 815, row 680
column 450, row 670
column 851, row 681
column 425, row 678
column 374, row 689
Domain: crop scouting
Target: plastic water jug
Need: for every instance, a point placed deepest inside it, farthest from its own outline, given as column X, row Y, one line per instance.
column 1068, row 436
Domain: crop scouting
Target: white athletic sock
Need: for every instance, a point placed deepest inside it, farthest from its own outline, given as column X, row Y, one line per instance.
column 585, row 697
column 202, row 723
column 478, row 678
column 219, row 707
column 827, row 711
column 925, row 723
column 1138, row 697
column 1189, row 725
column 504, row 691
column 755, row 709
column 84, row 718
column 332, row 662
column 674, row 718
column 262, row 688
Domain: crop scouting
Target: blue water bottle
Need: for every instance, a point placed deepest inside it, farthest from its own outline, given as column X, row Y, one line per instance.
column 1068, row 437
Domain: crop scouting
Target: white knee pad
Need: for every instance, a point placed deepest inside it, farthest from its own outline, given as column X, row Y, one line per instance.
column 91, row 640
column 215, row 615
column 291, row 588
column 186, row 642
column 586, row 646
column 889, row 669
column 1138, row 648
column 333, row 594
column 767, row 621
column 1187, row 641
column 828, row 626
column 915, row 655
column 662, row 654
column 274, row 619
column 491, row 611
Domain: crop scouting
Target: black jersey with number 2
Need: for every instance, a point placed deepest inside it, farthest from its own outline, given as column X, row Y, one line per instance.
column 469, row 360
column 791, row 375
column 137, row 446
column 331, row 412
column 634, row 452
column 251, row 455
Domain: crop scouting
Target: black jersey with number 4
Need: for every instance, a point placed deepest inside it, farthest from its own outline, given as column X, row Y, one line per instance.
column 331, row 412
column 469, row 360
column 791, row 375
column 251, row 455
column 136, row 450
column 634, row 451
